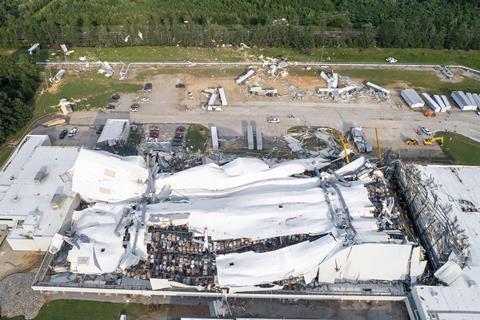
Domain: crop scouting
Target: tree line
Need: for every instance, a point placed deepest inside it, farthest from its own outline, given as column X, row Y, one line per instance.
column 299, row 24
column 19, row 80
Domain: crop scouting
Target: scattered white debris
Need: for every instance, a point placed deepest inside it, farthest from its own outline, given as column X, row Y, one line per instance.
column 57, row 76
column 245, row 76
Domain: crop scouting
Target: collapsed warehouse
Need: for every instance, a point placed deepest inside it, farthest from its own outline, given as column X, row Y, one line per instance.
column 298, row 226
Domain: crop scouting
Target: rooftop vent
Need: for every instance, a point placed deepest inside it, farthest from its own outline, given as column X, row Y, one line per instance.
column 41, row 175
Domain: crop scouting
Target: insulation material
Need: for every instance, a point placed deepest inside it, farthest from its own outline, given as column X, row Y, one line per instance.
column 250, row 268
column 366, row 262
column 99, row 249
column 257, row 214
column 237, row 173
column 101, row 176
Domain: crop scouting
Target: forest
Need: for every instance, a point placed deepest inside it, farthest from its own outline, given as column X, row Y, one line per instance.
column 18, row 83
column 300, row 24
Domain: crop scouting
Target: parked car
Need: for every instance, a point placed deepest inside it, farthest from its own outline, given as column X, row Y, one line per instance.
column 110, row 106
column 72, row 132
column 426, row 131
column 134, row 107
column 63, row 133
column 148, row 87
column 115, row 97
column 99, row 129
column 180, row 129
column 273, row 120
column 154, row 132
column 180, row 85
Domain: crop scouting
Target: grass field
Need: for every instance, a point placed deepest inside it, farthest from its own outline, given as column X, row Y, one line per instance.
column 197, row 136
column 460, row 149
column 339, row 55
column 92, row 310
column 144, row 75
column 421, row 80
column 94, row 91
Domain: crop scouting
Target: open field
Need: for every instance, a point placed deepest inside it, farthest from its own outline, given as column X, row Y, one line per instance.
column 339, row 55
column 460, row 149
column 92, row 89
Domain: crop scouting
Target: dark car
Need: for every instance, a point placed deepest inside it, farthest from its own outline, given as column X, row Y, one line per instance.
column 147, row 87
column 115, row 97
column 179, row 85
column 134, row 107
column 110, row 106
column 180, row 129
column 63, row 134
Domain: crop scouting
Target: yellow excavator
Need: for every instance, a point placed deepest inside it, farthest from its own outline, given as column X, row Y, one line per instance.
column 411, row 142
column 430, row 141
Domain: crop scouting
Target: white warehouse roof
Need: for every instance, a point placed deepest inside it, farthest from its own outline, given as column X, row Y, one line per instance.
column 19, row 157
column 40, row 196
column 114, row 131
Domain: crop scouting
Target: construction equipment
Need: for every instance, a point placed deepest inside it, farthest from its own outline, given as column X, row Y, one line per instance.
column 342, row 141
column 430, row 141
column 429, row 113
column 411, row 142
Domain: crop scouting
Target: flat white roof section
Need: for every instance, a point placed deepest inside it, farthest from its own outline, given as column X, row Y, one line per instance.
column 446, row 303
column 115, row 131
column 361, row 263
column 412, row 98
column 19, row 157
column 41, row 196
column 102, row 176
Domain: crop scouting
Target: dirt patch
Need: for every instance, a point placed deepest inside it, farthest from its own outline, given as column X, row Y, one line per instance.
column 17, row 261
column 304, row 82
column 54, row 88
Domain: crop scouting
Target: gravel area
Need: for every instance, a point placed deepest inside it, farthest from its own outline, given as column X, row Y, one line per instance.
column 18, row 298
